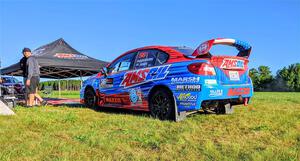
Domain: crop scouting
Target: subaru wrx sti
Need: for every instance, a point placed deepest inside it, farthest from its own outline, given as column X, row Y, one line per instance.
column 170, row 82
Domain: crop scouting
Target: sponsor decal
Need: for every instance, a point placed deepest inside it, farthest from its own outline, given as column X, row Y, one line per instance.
column 215, row 92
column 188, row 87
column 179, row 80
column 187, row 97
column 70, row 56
column 187, row 103
column 106, row 83
column 210, row 81
column 203, row 48
column 143, row 54
column 113, row 100
column 145, row 62
column 135, row 95
column 234, row 75
column 229, row 63
column 238, row 91
column 140, row 76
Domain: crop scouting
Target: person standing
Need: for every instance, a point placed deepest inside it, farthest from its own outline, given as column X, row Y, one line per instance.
column 23, row 67
column 33, row 78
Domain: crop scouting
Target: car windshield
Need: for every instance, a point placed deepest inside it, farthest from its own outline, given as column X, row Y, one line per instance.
column 187, row 51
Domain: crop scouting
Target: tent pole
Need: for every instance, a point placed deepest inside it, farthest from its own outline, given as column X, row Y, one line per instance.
column 80, row 80
column 59, row 94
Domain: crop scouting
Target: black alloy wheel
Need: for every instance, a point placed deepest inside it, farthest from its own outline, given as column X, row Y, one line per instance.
column 161, row 105
column 90, row 98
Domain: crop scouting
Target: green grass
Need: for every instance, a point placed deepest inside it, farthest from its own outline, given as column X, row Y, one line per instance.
column 63, row 94
column 270, row 131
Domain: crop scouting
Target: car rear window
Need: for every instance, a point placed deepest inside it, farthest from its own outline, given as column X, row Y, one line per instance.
column 187, row 51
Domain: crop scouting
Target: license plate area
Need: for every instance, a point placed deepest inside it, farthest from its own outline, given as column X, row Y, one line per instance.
column 234, row 75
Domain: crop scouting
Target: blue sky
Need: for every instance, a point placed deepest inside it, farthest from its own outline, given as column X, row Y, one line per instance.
column 105, row 29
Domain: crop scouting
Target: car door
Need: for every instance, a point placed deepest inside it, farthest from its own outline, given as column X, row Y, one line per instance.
column 144, row 61
column 146, row 69
column 112, row 93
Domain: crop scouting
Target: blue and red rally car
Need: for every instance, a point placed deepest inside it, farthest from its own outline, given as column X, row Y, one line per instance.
column 170, row 82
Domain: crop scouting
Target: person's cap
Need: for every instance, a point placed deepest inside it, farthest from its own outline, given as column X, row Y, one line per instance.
column 26, row 50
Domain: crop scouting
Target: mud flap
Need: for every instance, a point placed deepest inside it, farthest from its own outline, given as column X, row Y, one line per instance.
column 228, row 108
column 179, row 116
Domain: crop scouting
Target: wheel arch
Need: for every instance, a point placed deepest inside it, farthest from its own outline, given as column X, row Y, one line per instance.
column 157, row 87
column 89, row 87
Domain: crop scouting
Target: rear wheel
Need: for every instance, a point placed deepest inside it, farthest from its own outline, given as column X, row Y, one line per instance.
column 90, row 98
column 161, row 105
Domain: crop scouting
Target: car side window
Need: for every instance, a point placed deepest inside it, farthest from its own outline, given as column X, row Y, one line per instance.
column 162, row 58
column 145, row 58
column 114, row 68
column 122, row 64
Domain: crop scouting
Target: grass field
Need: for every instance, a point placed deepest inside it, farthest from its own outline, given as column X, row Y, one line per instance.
column 270, row 131
column 63, row 94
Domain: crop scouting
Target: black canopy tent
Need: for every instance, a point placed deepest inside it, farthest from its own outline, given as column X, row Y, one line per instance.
column 58, row 60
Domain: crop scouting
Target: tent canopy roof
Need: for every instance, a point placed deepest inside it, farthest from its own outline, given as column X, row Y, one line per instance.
column 59, row 60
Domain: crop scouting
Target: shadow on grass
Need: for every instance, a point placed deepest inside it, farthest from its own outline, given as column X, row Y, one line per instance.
column 115, row 110
column 107, row 109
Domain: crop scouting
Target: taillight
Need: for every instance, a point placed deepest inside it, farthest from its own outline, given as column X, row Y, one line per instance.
column 202, row 69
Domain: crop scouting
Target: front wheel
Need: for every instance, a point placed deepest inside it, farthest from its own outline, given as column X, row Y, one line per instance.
column 161, row 105
column 90, row 98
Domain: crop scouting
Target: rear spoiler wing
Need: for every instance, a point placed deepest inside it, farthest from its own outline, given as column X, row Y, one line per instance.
column 243, row 47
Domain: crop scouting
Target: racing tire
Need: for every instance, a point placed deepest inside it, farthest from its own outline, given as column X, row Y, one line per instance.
column 161, row 105
column 90, row 98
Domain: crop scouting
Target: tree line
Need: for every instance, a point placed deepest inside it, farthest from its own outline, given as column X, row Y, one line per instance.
column 286, row 79
column 68, row 85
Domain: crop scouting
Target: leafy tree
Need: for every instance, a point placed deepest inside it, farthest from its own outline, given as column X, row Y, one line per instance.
column 253, row 73
column 265, row 78
column 261, row 78
column 290, row 77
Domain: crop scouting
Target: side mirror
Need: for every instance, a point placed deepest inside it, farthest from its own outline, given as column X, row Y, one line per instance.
column 104, row 71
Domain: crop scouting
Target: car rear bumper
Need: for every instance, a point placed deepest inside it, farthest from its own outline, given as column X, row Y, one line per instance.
column 237, row 94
